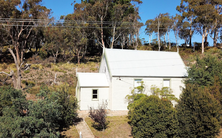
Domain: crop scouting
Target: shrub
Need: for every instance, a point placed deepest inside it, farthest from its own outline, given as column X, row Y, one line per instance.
column 26, row 71
column 34, row 90
column 204, row 70
column 41, row 118
column 4, row 66
column 36, row 66
column 28, row 83
column 99, row 116
column 69, row 106
column 56, row 69
column 43, row 53
column 199, row 113
column 164, row 92
column 153, row 117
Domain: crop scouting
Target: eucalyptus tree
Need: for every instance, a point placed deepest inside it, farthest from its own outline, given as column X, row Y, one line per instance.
column 149, row 29
column 76, row 36
column 54, row 40
column 18, row 20
column 161, row 25
column 108, row 17
column 203, row 15
column 176, row 25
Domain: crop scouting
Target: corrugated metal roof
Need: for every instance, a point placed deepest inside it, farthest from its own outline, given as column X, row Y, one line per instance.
column 145, row 63
column 92, row 79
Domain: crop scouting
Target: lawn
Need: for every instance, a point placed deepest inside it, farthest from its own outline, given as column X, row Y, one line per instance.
column 117, row 128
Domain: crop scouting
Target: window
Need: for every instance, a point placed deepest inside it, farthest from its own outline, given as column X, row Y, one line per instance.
column 166, row 82
column 137, row 82
column 94, row 94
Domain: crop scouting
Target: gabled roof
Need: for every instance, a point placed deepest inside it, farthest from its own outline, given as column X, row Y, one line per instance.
column 144, row 63
column 92, row 80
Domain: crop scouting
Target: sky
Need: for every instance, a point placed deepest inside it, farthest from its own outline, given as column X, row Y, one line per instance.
column 149, row 9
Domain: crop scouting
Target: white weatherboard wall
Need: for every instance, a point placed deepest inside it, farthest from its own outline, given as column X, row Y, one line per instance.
column 122, row 86
column 104, row 68
column 86, row 100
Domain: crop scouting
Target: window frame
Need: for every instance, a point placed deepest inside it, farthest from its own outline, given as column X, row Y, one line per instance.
column 134, row 86
column 169, row 82
column 95, row 99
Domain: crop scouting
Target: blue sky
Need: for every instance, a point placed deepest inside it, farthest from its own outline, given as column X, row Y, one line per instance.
column 149, row 9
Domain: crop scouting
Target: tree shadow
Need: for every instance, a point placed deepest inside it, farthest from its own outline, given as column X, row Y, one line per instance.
column 77, row 120
column 98, row 127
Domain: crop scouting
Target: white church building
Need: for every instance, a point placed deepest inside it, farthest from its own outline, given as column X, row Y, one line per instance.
column 119, row 72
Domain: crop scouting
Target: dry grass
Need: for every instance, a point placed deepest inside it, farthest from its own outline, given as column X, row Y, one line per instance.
column 45, row 74
column 117, row 128
column 70, row 133
column 220, row 134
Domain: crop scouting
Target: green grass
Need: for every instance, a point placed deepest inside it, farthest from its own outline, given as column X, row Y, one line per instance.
column 118, row 127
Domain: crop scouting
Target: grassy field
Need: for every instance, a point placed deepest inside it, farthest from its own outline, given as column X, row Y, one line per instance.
column 117, row 128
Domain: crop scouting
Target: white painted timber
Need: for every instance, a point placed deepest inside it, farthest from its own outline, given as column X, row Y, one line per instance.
column 122, row 86
column 86, row 100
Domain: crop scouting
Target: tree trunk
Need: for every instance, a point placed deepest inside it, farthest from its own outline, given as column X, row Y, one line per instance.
column 16, row 81
column 123, row 42
column 158, row 34
column 102, row 32
column 190, row 37
column 17, row 53
column 78, row 58
column 203, row 42
column 215, row 37
column 114, row 31
column 150, row 38
column 164, row 36
column 169, row 40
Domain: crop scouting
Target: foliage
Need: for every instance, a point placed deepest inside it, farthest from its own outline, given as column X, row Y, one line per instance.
column 136, row 93
column 198, row 112
column 205, row 69
column 28, row 83
column 10, row 97
column 164, row 92
column 69, row 106
column 27, row 118
column 57, row 69
column 26, row 71
column 99, row 116
column 36, row 66
column 203, row 16
column 154, row 117
column 42, row 118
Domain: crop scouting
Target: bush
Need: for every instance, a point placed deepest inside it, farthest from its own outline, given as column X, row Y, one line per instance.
column 26, row 71
column 204, row 70
column 36, row 66
column 69, row 105
column 164, row 92
column 99, row 117
column 28, row 83
column 3, row 66
column 199, row 113
column 56, row 69
column 34, row 90
column 153, row 117
column 41, row 118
